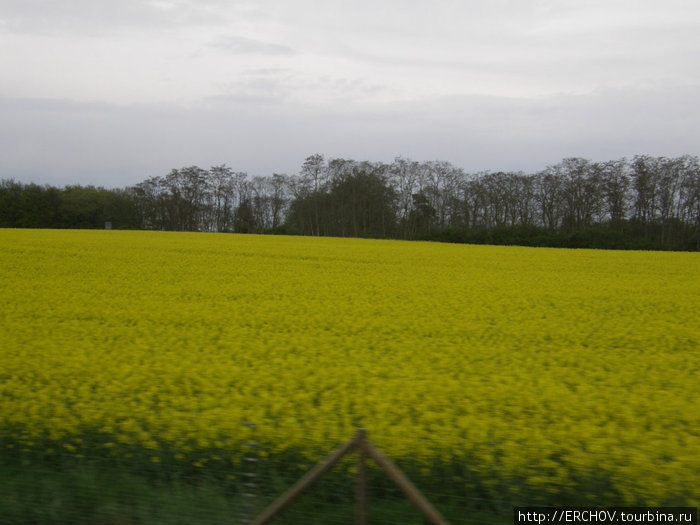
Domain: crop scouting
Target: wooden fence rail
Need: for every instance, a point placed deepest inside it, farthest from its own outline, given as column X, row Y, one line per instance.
column 365, row 449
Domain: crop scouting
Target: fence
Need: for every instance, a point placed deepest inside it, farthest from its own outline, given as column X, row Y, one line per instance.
column 59, row 486
column 349, row 490
column 93, row 487
column 365, row 448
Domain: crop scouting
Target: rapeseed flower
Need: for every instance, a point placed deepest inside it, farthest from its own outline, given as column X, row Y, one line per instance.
column 534, row 367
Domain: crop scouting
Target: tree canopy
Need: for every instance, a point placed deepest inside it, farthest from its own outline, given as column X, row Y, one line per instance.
column 646, row 202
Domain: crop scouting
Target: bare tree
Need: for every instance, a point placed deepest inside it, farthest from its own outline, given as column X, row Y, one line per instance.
column 403, row 176
column 616, row 190
column 581, row 192
column 548, row 195
column 221, row 182
column 313, row 172
column 645, row 182
column 279, row 200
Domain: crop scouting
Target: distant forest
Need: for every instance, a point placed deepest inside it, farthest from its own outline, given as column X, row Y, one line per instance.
column 643, row 203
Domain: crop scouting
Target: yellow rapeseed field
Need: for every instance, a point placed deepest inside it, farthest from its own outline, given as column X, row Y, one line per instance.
column 538, row 366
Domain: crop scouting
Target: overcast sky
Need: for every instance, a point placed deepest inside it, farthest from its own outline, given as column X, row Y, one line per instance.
column 111, row 92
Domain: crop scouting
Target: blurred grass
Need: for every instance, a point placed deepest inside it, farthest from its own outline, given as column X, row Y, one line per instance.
column 92, row 493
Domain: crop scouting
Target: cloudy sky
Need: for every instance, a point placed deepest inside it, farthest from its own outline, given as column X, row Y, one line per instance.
column 111, row 92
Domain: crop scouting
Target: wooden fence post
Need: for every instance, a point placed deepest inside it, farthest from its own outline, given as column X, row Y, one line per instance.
column 366, row 448
column 405, row 484
column 362, row 512
column 306, row 481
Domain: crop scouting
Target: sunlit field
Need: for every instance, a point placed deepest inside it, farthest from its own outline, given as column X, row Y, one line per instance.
column 525, row 371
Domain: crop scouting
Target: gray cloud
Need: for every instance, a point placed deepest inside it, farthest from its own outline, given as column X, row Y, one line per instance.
column 97, row 17
column 62, row 142
column 239, row 44
column 110, row 92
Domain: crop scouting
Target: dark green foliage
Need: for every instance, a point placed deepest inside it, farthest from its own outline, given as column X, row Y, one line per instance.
column 358, row 204
column 28, row 206
column 95, row 489
column 599, row 237
column 76, row 207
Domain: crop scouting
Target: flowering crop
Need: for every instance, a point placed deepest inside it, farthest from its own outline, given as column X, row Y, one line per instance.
column 537, row 367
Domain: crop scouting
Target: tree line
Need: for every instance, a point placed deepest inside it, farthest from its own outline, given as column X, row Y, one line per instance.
column 645, row 203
